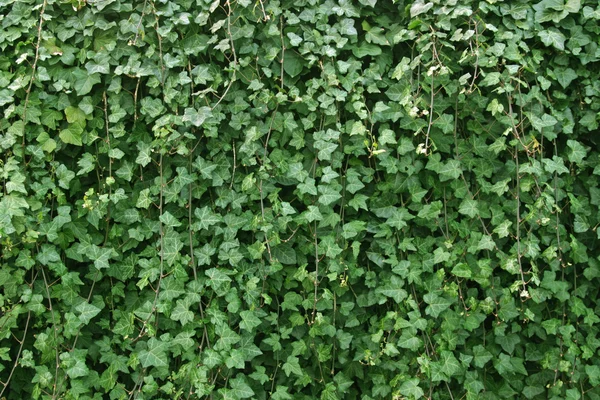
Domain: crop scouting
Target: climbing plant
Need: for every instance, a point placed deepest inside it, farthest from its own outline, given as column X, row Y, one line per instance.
column 351, row 199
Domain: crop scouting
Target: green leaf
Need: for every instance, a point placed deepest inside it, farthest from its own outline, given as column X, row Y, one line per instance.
column 450, row 365
column 144, row 200
column 394, row 290
column 182, row 313
column 293, row 64
column 565, row 76
column 169, row 220
column 86, row 312
column 292, row 366
column 411, row 387
column 75, row 115
column 227, row 337
column 326, row 149
column 71, row 135
column 84, row 81
column 240, row 388
column 450, row 170
column 155, row 355
column 481, row 356
column 577, row 151
column 285, row 254
column 491, row 79
column 144, row 155
column 409, row 341
column 555, row 165
column 196, row 117
column 420, row 7
column 545, row 121
column 553, row 37
column 249, row 320
column 436, row 304
column 462, row 270
column 366, row 49
column 216, row 277
column 206, row 218
column 469, row 207
column 328, row 195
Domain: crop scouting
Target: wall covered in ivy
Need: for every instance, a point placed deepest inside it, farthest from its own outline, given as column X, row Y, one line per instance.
column 277, row 199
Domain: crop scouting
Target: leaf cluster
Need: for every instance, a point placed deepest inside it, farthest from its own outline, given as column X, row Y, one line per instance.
column 299, row 199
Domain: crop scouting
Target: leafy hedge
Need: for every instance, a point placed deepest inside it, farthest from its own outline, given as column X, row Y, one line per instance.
column 299, row 199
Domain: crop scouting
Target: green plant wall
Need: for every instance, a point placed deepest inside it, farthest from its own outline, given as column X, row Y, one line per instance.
column 353, row 199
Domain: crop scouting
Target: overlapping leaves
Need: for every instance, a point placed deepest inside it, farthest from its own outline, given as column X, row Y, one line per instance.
column 335, row 199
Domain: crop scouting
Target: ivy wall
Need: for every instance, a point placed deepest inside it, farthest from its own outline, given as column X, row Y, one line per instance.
column 279, row 199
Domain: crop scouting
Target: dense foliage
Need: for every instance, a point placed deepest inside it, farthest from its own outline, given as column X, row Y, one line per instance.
column 351, row 199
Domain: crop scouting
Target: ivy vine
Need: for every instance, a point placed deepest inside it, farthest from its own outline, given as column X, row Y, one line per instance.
column 339, row 199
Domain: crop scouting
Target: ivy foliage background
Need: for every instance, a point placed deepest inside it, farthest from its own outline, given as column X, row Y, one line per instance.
column 299, row 199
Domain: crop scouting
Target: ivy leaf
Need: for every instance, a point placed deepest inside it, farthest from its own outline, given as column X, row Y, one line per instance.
column 169, row 220
column 293, row 64
column 325, row 149
column 144, row 156
column 216, row 278
column 450, row 365
column 227, row 337
column 450, row 170
column 393, row 289
column 469, row 207
column 84, row 81
column 420, row 7
column 481, row 356
column 409, row 341
column 240, row 388
column 182, row 313
column 410, row 388
column 71, row 135
column 285, row 254
column 144, row 200
column 545, row 121
column 155, row 355
column 565, row 76
column 313, row 214
column 328, row 195
column 555, row 165
column 249, row 320
column 292, row 366
column 100, row 256
column 206, row 218
column 553, row 37
column 577, row 151
column 86, row 164
column 87, row 312
column 436, row 304
column 196, row 117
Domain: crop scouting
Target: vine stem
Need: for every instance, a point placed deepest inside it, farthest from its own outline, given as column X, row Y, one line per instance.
column 21, row 343
column 560, row 255
column 106, row 128
column 234, row 54
column 193, row 260
column 518, row 195
column 54, row 329
column 108, row 209
column 316, row 274
column 262, row 212
column 31, row 80
column 161, row 230
column 430, row 117
column 282, row 48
